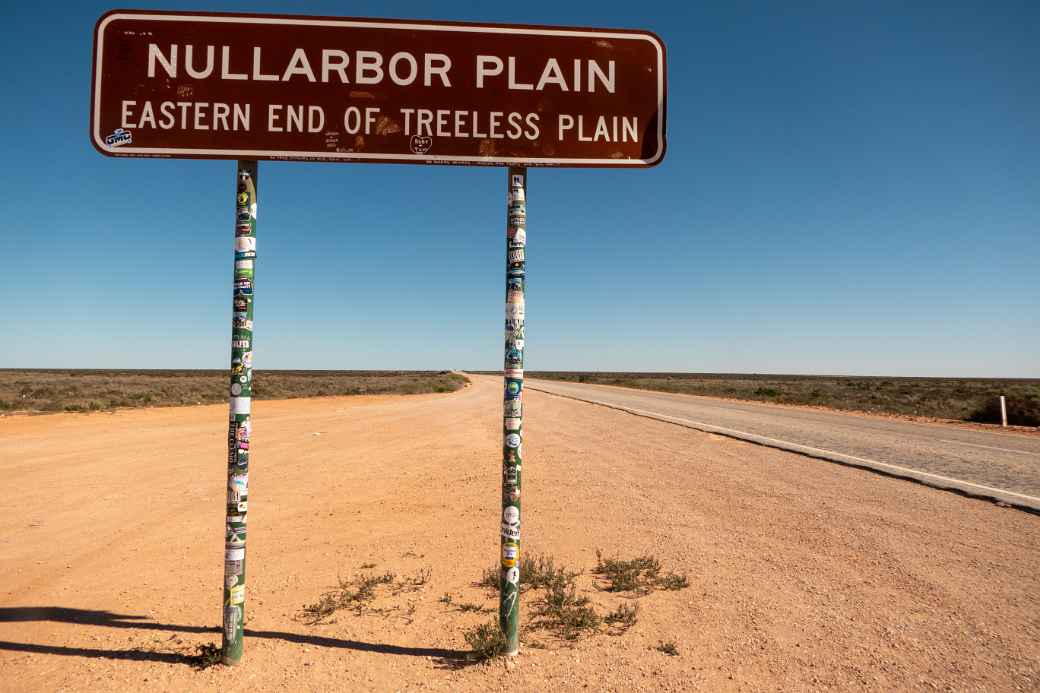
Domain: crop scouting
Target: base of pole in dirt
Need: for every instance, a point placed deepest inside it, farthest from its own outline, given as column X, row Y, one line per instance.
column 512, row 433
column 240, row 422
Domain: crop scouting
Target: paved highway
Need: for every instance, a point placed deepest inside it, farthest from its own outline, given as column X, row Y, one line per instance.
column 1002, row 460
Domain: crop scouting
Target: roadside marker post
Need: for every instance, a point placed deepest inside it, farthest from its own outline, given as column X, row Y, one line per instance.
column 512, row 409
column 240, row 423
column 251, row 87
column 1003, row 412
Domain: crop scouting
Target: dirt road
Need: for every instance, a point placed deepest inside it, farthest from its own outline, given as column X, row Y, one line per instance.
column 803, row 575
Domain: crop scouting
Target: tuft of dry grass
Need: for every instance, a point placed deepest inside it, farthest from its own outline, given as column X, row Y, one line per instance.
column 536, row 572
column 357, row 592
column 353, row 593
column 413, row 582
column 468, row 607
column 564, row 612
column 668, row 647
column 634, row 575
column 673, row 581
column 622, row 618
column 640, row 575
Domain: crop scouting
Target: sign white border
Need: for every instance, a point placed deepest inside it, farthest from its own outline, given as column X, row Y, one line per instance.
column 125, row 150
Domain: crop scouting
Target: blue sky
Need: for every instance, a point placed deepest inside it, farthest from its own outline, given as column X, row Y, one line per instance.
column 849, row 188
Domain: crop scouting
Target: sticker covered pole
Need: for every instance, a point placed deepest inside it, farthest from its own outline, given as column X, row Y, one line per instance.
column 240, row 423
column 512, row 427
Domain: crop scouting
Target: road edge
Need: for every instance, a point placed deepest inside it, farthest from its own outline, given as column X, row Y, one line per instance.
column 1018, row 501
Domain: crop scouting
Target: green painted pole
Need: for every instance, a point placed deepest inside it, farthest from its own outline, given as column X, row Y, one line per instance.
column 240, row 423
column 513, row 371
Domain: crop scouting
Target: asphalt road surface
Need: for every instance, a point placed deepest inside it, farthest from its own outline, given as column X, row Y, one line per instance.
column 1002, row 460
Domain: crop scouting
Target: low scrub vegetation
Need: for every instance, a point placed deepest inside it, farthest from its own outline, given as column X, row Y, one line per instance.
column 964, row 399
column 641, row 574
column 485, row 641
column 622, row 618
column 564, row 612
column 559, row 609
column 536, row 572
column 668, row 647
column 1021, row 411
column 103, row 390
column 357, row 592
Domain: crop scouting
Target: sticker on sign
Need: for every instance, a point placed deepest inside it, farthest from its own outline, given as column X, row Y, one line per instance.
column 234, row 86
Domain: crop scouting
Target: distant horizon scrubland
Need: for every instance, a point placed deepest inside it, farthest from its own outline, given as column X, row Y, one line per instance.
column 44, row 390
column 961, row 399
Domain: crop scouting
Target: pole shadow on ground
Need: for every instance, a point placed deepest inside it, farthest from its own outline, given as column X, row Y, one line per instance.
column 109, row 619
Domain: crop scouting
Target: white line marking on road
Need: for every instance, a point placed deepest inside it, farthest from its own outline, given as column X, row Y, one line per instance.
column 935, row 480
column 744, row 407
column 989, row 447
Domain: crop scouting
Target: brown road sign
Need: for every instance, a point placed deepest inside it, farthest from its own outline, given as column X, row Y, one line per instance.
column 234, row 86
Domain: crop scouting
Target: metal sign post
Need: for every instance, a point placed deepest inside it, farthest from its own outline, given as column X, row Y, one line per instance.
column 240, row 424
column 512, row 429
column 246, row 87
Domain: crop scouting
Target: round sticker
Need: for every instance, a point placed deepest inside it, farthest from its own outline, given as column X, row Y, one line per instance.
column 513, row 576
column 236, row 389
column 513, row 440
column 511, row 515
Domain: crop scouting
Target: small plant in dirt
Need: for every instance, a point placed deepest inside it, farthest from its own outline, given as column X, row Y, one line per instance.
column 668, row 647
column 206, row 656
column 413, row 582
column 622, row 618
column 560, row 610
column 365, row 585
column 536, row 572
column 639, row 575
column 485, row 641
column 673, row 581
column 446, row 599
column 489, row 579
column 468, row 607
column 541, row 572
column 354, row 593
column 564, row 612
column 635, row 575
column 327, row 604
